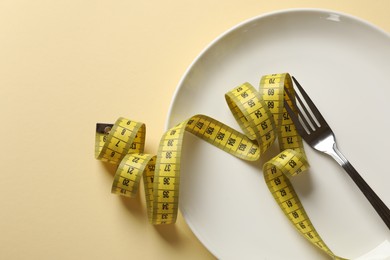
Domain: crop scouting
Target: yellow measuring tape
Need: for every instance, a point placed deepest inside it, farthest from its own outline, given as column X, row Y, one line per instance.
column 262, row 117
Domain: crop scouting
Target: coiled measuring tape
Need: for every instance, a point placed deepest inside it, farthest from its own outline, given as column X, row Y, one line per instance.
column 262, row 117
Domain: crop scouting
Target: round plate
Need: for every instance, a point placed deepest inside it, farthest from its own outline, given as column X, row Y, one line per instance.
column 343, row 63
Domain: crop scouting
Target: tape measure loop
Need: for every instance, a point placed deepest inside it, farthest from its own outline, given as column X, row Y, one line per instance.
column 124, row 136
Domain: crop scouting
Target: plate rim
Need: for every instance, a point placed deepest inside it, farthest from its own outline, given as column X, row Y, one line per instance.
column 250, row 20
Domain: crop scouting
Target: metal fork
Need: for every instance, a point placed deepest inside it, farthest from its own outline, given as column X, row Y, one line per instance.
column 317, row 133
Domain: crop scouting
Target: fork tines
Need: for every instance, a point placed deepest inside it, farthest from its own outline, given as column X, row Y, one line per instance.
column 306, row 121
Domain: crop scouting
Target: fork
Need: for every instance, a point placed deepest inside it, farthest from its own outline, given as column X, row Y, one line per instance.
column 317, row 133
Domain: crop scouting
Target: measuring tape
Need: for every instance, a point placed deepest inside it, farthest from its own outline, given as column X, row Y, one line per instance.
column 261, row 116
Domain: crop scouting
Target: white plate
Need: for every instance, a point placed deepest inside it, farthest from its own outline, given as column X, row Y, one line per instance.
column 343, row 63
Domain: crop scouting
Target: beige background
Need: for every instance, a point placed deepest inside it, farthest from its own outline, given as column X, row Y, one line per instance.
column 65, row 65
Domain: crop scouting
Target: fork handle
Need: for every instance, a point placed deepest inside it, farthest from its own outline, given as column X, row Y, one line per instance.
column 380, row 207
